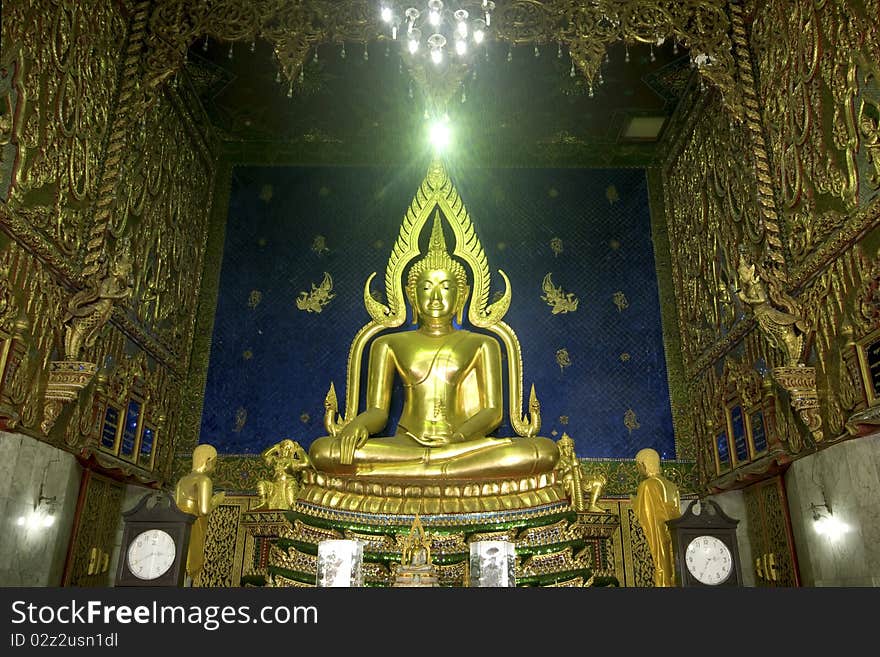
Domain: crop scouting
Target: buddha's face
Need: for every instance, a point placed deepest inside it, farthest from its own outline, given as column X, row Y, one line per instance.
column 436, row 294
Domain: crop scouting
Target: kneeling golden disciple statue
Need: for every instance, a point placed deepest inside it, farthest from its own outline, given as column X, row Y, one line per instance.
column 657, row 500
column 452, row 382
column 286, row 460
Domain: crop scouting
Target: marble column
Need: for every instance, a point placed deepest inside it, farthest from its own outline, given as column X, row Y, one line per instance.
column 33, row 548
column 733, row 503
column 846, row 477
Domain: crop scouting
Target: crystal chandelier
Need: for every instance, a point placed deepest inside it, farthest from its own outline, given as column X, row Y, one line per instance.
column 437, row 32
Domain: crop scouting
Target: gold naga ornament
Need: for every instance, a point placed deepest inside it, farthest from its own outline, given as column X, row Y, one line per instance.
column 786, row 331
column 88, row 311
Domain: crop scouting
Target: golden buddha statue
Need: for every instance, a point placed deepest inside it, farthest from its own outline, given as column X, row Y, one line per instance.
column 657, row 500
column 452, row 380
column 194, row 494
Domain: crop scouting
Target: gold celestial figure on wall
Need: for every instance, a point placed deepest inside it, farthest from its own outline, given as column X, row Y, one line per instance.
column 559, row 300
column 630, row 421
column 320, row 295
column 563, row 359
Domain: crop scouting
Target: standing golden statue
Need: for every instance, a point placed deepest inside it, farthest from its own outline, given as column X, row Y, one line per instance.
column 452, row 381
column 194, row 494
column 656, row 501
column 287, row 460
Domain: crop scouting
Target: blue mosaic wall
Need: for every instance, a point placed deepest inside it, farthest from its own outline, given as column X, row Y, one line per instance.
column 599, row 369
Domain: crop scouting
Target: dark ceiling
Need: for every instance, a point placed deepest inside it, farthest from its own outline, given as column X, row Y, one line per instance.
column 519, row 110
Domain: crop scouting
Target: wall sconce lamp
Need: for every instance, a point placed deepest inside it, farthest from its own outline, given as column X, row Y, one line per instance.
column 825, row 523
column 43, row 515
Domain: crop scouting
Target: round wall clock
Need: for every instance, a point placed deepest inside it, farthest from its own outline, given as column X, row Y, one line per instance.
column 709, row 560
column 151, row 554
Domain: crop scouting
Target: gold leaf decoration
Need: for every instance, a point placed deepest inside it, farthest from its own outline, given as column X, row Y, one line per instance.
column 630, row 421
column 563, row 359
column 620, row 301
column 240, row 419
column 611, row 194
column 319, row 245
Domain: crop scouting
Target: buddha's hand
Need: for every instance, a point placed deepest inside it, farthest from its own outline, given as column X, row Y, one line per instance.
column 352, row 436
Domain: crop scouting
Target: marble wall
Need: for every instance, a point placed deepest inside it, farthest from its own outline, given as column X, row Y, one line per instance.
column 29, row 469
column 733, row 503
column 846, row 476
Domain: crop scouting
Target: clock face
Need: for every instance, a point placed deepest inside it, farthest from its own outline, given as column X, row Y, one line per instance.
column 709, row 560
column 151, row 554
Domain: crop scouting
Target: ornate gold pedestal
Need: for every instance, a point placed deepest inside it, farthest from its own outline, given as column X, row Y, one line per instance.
column 555, row 545
column 66, row 379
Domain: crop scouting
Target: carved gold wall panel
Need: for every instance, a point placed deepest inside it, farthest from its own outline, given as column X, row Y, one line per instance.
column 162, row 205
column 817, row 63
column 94, row 533
column 60, row 106
column 92, row 167
column 711, row 202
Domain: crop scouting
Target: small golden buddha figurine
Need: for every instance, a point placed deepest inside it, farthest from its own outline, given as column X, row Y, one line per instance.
column 416, row 566
column 287, row 460
column 194, row 494
column 452, row 380
column 656, row 501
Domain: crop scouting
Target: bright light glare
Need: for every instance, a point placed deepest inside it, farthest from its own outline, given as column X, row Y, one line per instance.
column 386, row 14
column 436, row 55
column 434, row 17
column 413, row 46
column 440, row 134
column 462, row 29
column 460, row 47
column 48, row 521
column 830, row 527
column 478, row 36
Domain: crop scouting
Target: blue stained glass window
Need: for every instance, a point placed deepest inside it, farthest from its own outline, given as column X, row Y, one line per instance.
column 108, row 431
column 759, row 434
column 740, row 444
column 129, row 431
column 723, row 451
column 146, row 451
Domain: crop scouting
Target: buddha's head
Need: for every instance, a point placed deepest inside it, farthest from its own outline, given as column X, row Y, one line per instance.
column 204, row 458
column 648, row 461
column 437, row 284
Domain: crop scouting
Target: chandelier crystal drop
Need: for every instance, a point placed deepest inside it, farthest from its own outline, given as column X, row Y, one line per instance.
column 438, row 31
